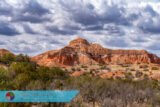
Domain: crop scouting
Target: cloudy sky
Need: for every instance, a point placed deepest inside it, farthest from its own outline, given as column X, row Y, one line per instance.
column 35, row 26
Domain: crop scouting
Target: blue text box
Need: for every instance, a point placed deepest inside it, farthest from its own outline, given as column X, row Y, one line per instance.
column 38, row 96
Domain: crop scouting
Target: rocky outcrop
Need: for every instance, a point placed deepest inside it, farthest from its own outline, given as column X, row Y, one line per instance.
column 80, row 51
column 4, row 52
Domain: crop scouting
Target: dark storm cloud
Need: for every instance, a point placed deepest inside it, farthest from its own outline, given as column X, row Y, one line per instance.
column 81, row 14
column 150, row 26
column 5, row 8
column 139, row 40
column 133, row 16
column 55, row 42
column 94, row 27
column 34, row 8
column 7, row 29
column 114, row 14
column 30, row 18
column 114, row 30
column 62, row 31
column 87, row 15
column 93, row 20
column 5, row 11
column 32, row 12
column 28, row 30
column 154, row 47
column 150, row 10
column 116, row 42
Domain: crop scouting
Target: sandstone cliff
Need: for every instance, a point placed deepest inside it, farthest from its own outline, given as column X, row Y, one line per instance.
column 80, row 51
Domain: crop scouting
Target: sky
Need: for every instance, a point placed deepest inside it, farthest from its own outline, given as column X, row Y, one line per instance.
column 35, row 26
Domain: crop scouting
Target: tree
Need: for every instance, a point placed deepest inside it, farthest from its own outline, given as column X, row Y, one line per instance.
column 21, row 81
column 20, row 67
column 129, row 76
column 42, row 73
column 57, row 72
column 22, row 58
column 36, row 85
column 3, row 74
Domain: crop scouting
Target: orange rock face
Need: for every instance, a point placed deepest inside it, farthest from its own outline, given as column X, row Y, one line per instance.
column 115, row 74
column 80, row 51
column 77, row 73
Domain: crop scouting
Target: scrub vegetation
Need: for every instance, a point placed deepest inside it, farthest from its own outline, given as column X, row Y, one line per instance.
column 19, row 73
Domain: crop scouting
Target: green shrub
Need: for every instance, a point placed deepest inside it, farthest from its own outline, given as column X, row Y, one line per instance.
column 7, row 58
column 129, row 76
column 20, row 67
column 138, row 74
column 3, row 74
column 22, row 58
column 35, row 85
column 103, row 67
column 50, row 73
column 21, row 80
column 56, row 71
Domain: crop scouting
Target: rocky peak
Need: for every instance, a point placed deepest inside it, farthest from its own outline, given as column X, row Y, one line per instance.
column 79, row 42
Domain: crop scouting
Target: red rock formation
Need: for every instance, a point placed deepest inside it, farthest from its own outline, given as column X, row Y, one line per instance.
column 80, row 51
column 4, row 52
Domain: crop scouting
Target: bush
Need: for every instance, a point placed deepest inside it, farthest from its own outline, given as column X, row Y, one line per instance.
column 57, row 72
column 129, row 76
column 146, row 70
column 155, row 68
column 132, row 69
column 103, row 67
column 35, row 85
column 20, row 67
column 138, row 74
column 73, row 69
column 143, row 66
column 3, row 74
column 78, row 69
column 7, row 58
column 43, row 74
column 22, row 58
column 21, row 80
column 125, row 65
column 50, row 73
column 83, row 66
